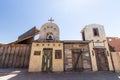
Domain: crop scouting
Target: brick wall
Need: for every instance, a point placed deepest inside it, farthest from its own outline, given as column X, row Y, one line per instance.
column 114, row 42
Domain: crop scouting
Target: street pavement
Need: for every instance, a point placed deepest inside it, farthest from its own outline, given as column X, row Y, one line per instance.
column 22, row 74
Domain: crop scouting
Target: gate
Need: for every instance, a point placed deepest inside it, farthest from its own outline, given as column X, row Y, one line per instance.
column 81, row 60
column 77, row 60
column 102, row 62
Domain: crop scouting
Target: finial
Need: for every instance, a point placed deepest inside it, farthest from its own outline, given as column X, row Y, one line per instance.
column 51, row 19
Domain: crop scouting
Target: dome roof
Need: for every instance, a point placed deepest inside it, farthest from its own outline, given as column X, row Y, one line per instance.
column 47, row 28
column 50, row 24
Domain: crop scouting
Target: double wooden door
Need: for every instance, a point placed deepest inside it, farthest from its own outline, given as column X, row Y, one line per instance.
column 101, row 58
column 47, row 60
column 81, row 60
column 77, row 60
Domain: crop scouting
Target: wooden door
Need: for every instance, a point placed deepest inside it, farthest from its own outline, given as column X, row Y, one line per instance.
column 77, row 60
column 101, row 57
column 47, row 60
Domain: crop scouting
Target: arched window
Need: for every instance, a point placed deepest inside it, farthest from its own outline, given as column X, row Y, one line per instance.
column 49, row 36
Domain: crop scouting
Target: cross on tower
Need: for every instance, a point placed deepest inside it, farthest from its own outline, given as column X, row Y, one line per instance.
column 51, row 20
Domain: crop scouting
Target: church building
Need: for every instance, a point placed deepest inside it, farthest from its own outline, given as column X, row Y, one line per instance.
column 50, row 54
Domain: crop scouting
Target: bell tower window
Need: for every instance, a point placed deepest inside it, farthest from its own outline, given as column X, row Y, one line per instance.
column 49, row 36
column 95, row 32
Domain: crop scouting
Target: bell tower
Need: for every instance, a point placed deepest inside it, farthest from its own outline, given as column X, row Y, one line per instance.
column 47, row 51
column 94, row 32
column 98, row 45
column 49, row 32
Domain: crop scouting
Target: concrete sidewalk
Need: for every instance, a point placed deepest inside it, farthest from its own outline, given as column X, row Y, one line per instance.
column 23, row 74
column 12, row 70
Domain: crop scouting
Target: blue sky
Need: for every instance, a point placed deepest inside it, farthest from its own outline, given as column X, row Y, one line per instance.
column 18, row 16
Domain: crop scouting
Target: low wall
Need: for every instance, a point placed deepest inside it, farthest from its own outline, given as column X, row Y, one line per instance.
column 14, row 56
column 116, row 61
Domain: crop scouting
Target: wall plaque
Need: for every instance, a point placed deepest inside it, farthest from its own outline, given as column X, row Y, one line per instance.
column 99, row 44
column 58, row 54
column 37, row 52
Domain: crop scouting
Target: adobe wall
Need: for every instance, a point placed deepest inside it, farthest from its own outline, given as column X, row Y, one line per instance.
column 35, row 64
column 116, row 61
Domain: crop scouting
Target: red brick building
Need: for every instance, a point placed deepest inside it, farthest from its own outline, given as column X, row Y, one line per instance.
column 114, row 43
